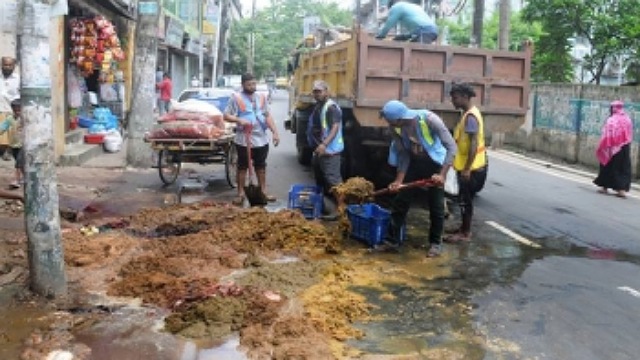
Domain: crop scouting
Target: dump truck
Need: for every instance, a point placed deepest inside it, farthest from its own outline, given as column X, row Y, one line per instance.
column 364, row 73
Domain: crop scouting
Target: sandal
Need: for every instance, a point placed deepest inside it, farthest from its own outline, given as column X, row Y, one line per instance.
column 603, row 191
column 621, row 194
column 270, row 198
column 238, row 200
column 457, row 238
column 434, row 250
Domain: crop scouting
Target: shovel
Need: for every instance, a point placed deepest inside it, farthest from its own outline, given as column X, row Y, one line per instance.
column 253, row 192
column 409, row 185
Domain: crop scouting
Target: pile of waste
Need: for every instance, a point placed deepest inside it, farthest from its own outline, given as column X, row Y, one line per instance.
column 355, row 190
column 219, row 269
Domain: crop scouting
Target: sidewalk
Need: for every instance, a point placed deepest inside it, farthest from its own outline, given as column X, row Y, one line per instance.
column 553, row 163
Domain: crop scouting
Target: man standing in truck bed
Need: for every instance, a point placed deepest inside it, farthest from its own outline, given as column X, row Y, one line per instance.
column 411, row 17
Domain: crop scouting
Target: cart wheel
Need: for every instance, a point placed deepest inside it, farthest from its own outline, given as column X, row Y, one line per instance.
column 231, row 165
column 168, row 168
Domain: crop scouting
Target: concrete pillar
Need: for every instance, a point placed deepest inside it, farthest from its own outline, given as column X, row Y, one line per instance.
column 58, row 81
column 141, row 118
column 42, row 218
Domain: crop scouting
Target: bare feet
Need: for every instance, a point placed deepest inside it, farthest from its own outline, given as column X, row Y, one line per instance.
column 621, row 194
column 603, row 191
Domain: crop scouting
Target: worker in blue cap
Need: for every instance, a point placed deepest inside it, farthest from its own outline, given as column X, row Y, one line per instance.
column 421, row 148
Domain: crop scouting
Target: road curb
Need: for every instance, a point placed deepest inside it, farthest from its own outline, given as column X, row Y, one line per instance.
column 551, row 165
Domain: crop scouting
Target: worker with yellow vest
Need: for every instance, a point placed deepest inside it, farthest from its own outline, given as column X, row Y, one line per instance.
column 421, row 148
column 471, row 160
column 324, row 135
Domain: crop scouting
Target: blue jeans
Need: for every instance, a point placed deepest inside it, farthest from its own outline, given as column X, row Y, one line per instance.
column 425, row 34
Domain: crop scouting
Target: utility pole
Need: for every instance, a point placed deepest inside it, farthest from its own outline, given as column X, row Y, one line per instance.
column 200, row 6
column 505, row 17
column 42, row 217
column 478, row 20
column 141, row 118
column 216, row 48
column 252, row 41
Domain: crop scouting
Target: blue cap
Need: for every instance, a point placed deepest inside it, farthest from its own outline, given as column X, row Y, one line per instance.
column 395, row 110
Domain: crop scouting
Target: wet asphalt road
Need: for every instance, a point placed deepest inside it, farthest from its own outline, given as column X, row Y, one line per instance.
column 569, row 290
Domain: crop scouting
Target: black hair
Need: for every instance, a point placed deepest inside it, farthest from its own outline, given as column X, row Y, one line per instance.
column 463, row 89
column 247, row 77
column 391, row 3
column 167, row 75
column 16, row 103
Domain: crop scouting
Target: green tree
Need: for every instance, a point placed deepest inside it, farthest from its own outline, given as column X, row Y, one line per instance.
column 460, row 31
column 609, row 27
column 278, row 28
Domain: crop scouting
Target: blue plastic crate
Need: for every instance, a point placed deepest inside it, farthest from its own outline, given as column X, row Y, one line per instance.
column 370, row 223
column 307, row 199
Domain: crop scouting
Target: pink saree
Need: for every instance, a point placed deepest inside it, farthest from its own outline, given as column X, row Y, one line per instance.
column 617, row 132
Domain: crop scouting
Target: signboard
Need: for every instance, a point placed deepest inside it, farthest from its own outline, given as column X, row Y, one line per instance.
column 9, row 18
column 162, row 26
column 193, row 45
column 210, row 17
column 148, row 8
column 310, row 24
column 175, row 33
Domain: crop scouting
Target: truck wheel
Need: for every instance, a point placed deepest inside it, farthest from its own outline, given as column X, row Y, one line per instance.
column 305, row 153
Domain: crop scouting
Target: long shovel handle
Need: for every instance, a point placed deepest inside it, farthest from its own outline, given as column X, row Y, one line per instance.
column 413, row 184
column 247, row 136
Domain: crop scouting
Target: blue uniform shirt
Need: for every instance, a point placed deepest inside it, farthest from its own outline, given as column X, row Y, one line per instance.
column 409, row 16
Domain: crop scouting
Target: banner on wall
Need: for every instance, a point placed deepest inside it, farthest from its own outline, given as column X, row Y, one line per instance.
column 210, row 17
column 174, row 33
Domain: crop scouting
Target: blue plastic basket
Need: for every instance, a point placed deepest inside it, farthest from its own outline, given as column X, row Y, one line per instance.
column 307, row 199
column 370, row 223
column 85, row 122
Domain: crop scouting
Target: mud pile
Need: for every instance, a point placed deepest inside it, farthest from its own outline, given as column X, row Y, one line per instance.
column 188, row 259
column 355, row 190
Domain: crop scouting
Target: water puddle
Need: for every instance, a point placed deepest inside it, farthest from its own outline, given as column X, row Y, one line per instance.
column 428, row 308
column 227, row 351
column 19, row 321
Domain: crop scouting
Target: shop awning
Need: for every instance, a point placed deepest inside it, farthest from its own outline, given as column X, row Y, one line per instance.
column 126, row 10
column 118, row 7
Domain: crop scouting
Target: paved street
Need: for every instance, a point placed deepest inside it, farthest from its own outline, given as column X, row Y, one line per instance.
column 551, row 272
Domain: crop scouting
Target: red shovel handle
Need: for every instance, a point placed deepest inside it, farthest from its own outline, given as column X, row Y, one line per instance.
column 413, row 184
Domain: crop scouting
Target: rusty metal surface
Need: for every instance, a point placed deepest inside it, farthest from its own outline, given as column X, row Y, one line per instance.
column 364, row 73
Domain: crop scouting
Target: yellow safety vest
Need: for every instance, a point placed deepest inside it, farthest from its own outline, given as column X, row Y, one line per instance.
column 464, row 142
column 424, row 128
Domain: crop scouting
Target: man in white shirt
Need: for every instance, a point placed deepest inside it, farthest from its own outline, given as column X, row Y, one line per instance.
column 9, row 91
column 195, row 82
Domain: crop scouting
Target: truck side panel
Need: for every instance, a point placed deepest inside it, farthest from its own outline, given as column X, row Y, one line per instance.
column 363, row 73
column 421, row 76
column 335, row 64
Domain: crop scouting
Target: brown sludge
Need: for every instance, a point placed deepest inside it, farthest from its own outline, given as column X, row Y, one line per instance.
column 355, row 190
column 183, row 258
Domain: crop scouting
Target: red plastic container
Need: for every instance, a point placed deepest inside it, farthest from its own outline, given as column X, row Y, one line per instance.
column 94, row 138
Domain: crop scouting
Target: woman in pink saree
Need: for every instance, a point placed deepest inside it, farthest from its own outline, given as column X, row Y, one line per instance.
column 614, row 152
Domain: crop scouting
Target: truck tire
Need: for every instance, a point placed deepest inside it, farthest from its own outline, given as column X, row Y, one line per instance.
column 305, row 153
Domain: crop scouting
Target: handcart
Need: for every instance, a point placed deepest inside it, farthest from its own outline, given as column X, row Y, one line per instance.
column 172, row 153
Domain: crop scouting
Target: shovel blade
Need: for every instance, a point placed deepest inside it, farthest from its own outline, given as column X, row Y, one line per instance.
column 255, row 196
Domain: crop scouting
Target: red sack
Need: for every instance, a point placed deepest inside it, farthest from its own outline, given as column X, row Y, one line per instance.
column 186, row 130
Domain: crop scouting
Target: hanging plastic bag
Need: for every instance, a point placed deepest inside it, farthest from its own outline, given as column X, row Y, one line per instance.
column 451, row 182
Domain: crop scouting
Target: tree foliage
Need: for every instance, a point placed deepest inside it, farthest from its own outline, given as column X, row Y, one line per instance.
column 520, row 31
column 610, row 28
column 278, row 28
